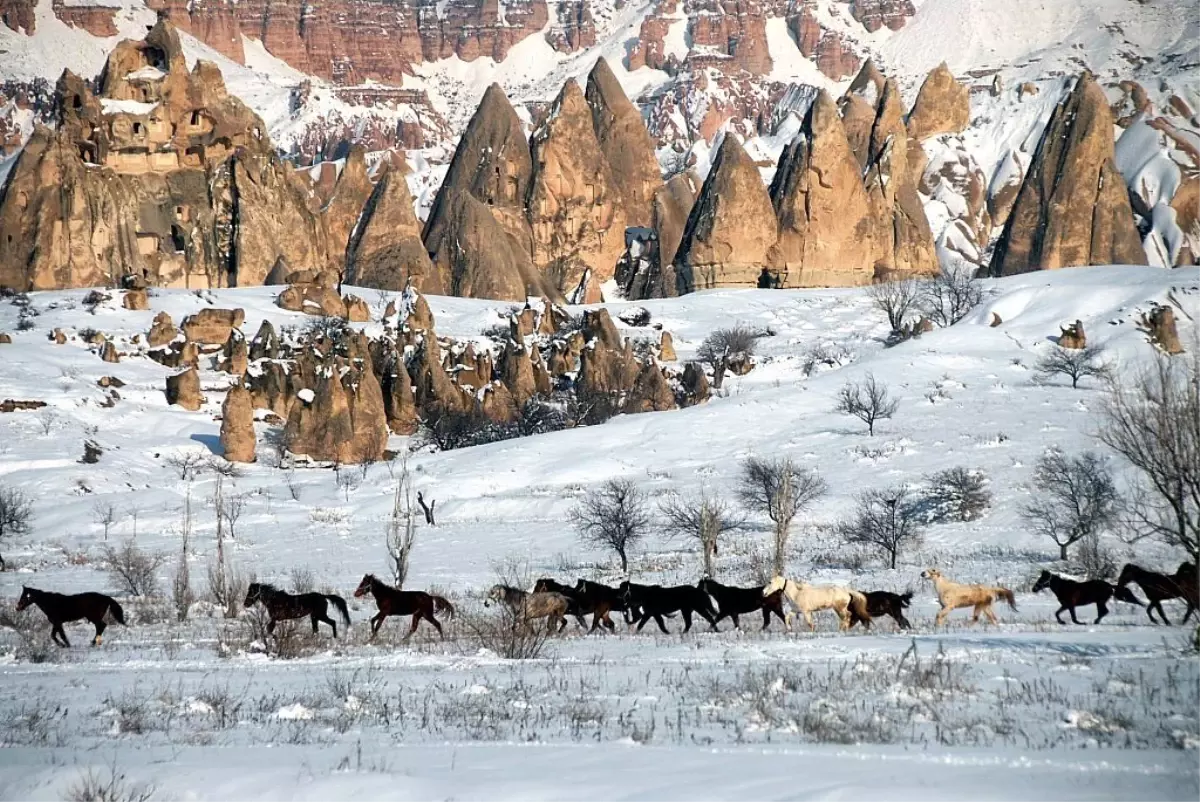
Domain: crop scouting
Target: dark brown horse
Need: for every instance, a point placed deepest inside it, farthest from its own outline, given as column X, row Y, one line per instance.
column 284, row 606
column 391, row 601
column 732, row 601
column 61, row 609
column 1159, row 587
column 1072, row 594
column 581, row 604
column 595, row 593
column 882, row 602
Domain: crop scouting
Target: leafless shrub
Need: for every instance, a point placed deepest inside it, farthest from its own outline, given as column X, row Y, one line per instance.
column 896, row 298
column 401, row 533
column 132, row 570
column 105, row 514
column 227, row 586
column 958, row 494
column 825, row 356
column 347, row 480
column 615, row 516
column 704, row 518
column 302, row 580
column 867, row 400
column 222, row 467
column 93, row 299
column 887, row 521
column 728, row 349
column 186, row 463
column 950, row 296
column 1074, row 363
column 46, row 420
column 182, row 595
column 112, row 786
column 16, row 515
column 231, row 509
column 1074, row 498
column 1153, row 422
column 505, row 633
column 33, row 636
column 293, row 485
column 779, row 489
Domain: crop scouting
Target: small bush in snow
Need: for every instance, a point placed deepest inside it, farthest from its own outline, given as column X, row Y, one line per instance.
column 615, row 517
column 886, row 521
column 16, row 515
column 825, row 356
column 132, row 570
column 957, row 494
column 896, row 299
column 950, row 296
column 1074, row 363
column 1074, row 498
column 728, row 349
column 93, row 299
column 186, row 463
column 109, row 786
column 867, row 400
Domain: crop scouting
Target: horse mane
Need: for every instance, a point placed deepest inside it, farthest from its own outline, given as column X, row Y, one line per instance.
column 267, row 586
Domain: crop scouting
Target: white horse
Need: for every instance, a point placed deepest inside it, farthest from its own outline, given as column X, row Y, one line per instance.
column 809, row 598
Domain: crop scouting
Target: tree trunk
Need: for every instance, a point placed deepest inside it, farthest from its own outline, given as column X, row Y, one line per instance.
column 718, row 375
column 893, row 553
column 1062, row 551
column 624, row 561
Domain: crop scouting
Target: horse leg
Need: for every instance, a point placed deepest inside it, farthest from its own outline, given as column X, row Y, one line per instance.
column 1191, row 608
column 642, row 621
column 987, row 610
column 687, row 619
column 901, row 621
column 1150, row 612
column 429, row 617
column 62, row 636
column 1058, row 615
column 312, row 617
column 1102, row 610
column 416, row 619
column 376, row 623
column 808, row 619
column 941, row 617
column 1162, row 613
column 327, row 620
column 1073, row 618
column 975, row 615
column 271, row 627
column 100, row 625
column 659, row 620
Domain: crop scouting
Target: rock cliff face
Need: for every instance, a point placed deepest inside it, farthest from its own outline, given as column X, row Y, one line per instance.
column 164, row 176
column 385, row 250
column 626, row 144
column 1073, row 207
column 942, row 106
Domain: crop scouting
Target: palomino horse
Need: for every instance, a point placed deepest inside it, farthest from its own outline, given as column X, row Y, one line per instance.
column 62, row 609
column 284, row 606
column 1072, row 594
column 809, row 598
column 392, row 601
column 530, row 606
column 953, row 595
column 1159, row 587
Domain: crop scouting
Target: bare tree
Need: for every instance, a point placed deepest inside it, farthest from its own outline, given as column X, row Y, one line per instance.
column 896, row 298
column 182, row 595
column 959, row 494
column 401, row 527
column 867, row 400
column 105, row 514
column 16, row 515
column 1074, row 363
column 779, row 489
column 131, row 569
column 1074, row 498
column 886, row 520
column 187, row 463
column 1153, row 422
column 231, row 509
column 726, row 349
column 950, row 296
column 427, row 508
column 614, row 516
column 704, row 518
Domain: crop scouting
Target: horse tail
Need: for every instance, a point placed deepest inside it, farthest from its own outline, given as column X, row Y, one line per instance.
column 117, row 613
column 858, row 605
column 340, row 604
column 1008, row 596
column 906, row 599
column 440, row 604
column 1124, row 594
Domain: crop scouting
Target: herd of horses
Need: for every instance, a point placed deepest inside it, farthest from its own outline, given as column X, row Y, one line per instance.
column 553, row 602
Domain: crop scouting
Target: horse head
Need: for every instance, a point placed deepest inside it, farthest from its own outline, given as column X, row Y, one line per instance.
column 932, row 574
column 705, row 584
column 1043, row 581
column 364, row 587
column 777, row 583
column 253, row 594
column 496, row 594
column 26, row 598
column 1129, row 573
column 544, row 585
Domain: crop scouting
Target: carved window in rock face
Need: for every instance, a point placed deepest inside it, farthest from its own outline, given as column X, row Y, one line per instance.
column 77, row 102
column 195, row 118
column 137, row 129
column 512, row 188
column 591, row 193
column 178, row 239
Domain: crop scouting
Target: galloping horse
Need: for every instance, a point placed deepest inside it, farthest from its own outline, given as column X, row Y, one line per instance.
column 655, row 601
column 284, row 606
column 732, row 602
column 953, row 595
column 579, row 604
column 529, row 606
column 596, row 594
column 1159, row 587
column 809, row 598
column 392, row 601
column 61, row 609
column 1072, row 594
column 882, row 602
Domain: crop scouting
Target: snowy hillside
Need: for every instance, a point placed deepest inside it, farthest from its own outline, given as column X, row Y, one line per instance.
column 1024, row 708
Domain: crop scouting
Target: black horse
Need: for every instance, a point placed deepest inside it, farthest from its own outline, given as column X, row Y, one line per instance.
column 732, row 601
column 1072, row 594
column 655, row 601
column 580, row 604
column 62, row 609
column 1159, row 587
column 596, row 594
column 284, row 606
column 392, row 601
column 882, row 602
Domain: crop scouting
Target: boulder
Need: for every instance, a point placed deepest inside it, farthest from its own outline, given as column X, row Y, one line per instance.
column 650, row 392
column 162, row 331
column 312, row 299
column 5, row 338
column 345, row 421
column 400, row 405
column 1159, row 325
column 136, row 299
column 731, row 227
column 270, row 388
column 1072, row 336
column 237, row 425
column 265, row 344
column 942, row 106
column 235, row 356
column 1073, row 206
column 212, row 326
column 356, row 309
column 598, row 325
column 60, row 337
column 497, row 404
column 694, row 384
column 109, row 352
column 666, row 347
column 516, row 372
column 184, row 389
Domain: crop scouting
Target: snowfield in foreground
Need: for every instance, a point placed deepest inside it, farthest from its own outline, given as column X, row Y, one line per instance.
column 206, row 709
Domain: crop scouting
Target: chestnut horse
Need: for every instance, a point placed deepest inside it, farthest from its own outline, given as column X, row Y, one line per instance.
column 953, row 595
column 284, row 606
column 61, row 609
column 392, row 601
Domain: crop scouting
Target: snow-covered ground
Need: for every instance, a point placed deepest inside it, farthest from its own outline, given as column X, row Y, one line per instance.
column 199, row 710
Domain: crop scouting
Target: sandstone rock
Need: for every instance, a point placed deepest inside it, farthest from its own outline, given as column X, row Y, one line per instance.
column 350, row 192
column 1073, row 206
column 694, row 384
column 356, row 309
column 136, row 300
column 401, row 408
column 497, row 404
column 516, row 371
column 1072, row 336
column 270, row 388
column 237, row 425
column 312, row 299
column 626, row 144
column 996, row 320
column 833, row 57
column 109, row 381
column 386, row 251
column 162, row 331
column 59, row 337
column 236, row 358
column 650, row 392
column 875, row 14
column 212, row 326
column 265, row 344
column 942, row 107
column 598, row 325
column 542, row 382
column 184, row 389
column 484, row 259
column 666, row 347
column 432, row 386
column 345, row 422
column 109, row 353
column 826, row 234
column 5, row 338
column 731, row 227
column 1159, row 324
column 672, row 206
